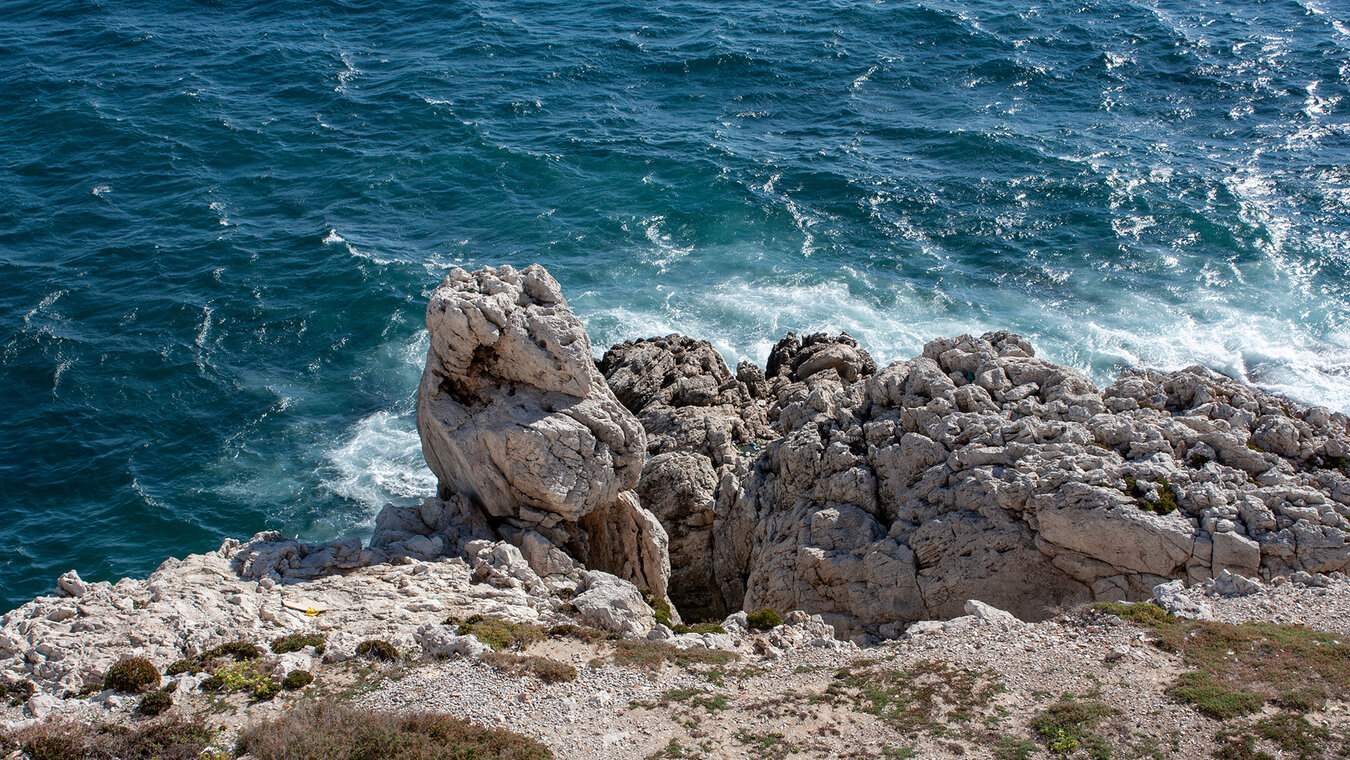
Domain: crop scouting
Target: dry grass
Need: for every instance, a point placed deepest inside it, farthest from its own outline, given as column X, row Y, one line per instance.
column 171, row 739
column 330, row 731
column 546, row 670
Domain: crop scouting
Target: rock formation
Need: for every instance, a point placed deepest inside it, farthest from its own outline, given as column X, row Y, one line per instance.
column 978, row 471
column 517, row 422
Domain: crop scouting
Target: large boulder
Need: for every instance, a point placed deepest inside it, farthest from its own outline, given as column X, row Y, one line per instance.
column 515, row 418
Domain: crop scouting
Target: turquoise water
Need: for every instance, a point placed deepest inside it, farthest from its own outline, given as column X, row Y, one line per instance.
column 218, row 226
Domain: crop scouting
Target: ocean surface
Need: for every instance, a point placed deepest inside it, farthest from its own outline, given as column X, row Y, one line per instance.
column 219, row 224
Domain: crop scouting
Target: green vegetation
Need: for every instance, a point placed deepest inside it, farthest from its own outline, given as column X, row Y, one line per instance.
column 1014, row 749
column 1214, row 697
column 297, row 679
column 167, row 739
column 155, row 702
column 1068, row 724
column 252, row 676
column 330, row 731
column 501, row 634
column 653, row 654
column 660, row 608
column 763, row 620
column 699, row 628
column 1167, row 495
column 132, row 676
column 916, row 698
column 1236, row 670
column 294, row 642
column 546, row 670
column 184, row 665
column 377, row 649
column 239, row 650
column 582, row 633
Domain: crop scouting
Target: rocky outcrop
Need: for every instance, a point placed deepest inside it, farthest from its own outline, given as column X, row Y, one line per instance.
column 701, row 423
column 517, row 422
column 978, row 471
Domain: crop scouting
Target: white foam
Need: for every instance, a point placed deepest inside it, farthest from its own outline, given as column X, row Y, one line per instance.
column 101, row 191
column 381, row 462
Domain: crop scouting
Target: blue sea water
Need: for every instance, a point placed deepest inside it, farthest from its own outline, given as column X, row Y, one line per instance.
column 219, row 222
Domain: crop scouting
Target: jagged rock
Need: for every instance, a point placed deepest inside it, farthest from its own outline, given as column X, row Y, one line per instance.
column 70, row 584
column 516, row 419
column 989, row 614
column 1172, row 597
column 439, row 641
column 977, row 470
column 686, row 397
column 606, row 602
column 701, row 422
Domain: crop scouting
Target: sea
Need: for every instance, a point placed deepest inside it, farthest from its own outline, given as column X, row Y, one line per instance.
column 220, row 222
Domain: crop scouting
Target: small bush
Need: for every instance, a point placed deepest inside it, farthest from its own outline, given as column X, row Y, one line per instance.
column 377, row 649
column 500, row 634
column 297, row 679
column 583, row 633
column 239, row 650
column 183, row 666
column 699, row 628
column 132, row 676
column 653, row 654
column 1146, row 614
column 1067, row 725
column 266, row 690
column 294, row 642
column 660, row 608
column 546, row 670
column 763, row 620
column 1213, row 697
column 154, row 703
column 22, row 691
column 336, row 732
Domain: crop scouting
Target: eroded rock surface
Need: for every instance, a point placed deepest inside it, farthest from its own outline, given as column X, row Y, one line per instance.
column 978, row 471
column 702, row 422
column 516, row 419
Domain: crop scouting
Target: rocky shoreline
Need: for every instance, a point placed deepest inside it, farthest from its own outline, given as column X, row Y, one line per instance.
column 634, row 496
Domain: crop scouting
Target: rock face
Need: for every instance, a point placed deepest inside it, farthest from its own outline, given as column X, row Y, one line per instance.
column 702, row 422
column 516, row 420
column 978, row 471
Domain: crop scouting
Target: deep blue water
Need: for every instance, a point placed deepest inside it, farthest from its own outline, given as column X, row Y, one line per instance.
column 218, row 225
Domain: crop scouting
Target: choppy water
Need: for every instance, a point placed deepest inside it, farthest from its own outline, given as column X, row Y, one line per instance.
column 218, row 226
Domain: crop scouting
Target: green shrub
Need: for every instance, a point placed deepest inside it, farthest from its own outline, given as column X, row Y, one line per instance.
column 333, row 731
column 132, row 676
column 183, row 666
column 653, row 654
column 699, row 628
column 294, row 642
column 377, row 649
column 1214, row 697
column 239, row 650
column 1067, row 724
column 583, row 633
column 266, row 690
column 763, row 620
column 154, row 703
column 660, row 608
column 500, row 634
column 297, row 679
